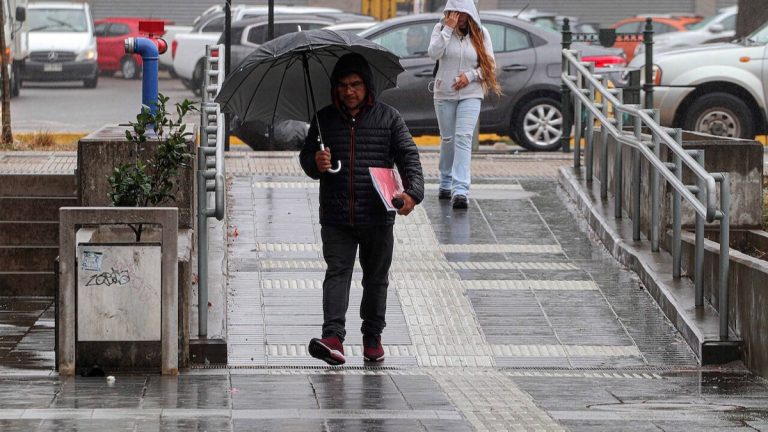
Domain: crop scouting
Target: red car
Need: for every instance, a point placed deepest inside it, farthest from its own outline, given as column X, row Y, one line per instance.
column 111, row 34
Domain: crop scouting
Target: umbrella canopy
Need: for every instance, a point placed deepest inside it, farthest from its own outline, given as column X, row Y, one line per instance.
column 275, row 80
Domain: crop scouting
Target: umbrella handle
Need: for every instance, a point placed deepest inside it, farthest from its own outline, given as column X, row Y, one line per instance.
column 338, row 163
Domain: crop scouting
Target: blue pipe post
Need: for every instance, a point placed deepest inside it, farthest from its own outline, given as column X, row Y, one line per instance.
column 149, row 53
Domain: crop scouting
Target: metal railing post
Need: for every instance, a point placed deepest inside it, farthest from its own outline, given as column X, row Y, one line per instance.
column 577, row 120
column 603, row 152
column 655, row 187
column 565, row 90
column 618, row 164
column 725, row 226
column 698, row 275
column 636, row 180
column 677, row 218
column 202, row 247
column 648, row 41
column 590, row 131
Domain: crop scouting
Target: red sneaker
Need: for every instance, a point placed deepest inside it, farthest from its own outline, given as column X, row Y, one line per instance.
column 329, row 350
column 372, row 349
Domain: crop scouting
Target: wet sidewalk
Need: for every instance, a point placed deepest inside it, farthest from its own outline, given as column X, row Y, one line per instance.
column 506, row 316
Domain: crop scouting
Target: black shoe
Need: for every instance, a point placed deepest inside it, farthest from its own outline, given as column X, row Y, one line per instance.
column 444, row 194
column 460, row 202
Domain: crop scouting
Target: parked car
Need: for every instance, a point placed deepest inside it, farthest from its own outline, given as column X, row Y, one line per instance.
column 356, row 27
column 662, row 24
column 110, row 41
column 719, row 89
column 548, row 20
column 188, row 50
column 528, row 65
column 62, row 46
column 715, row 28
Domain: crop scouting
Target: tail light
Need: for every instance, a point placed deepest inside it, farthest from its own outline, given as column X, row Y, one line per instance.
column 8, row 58
column 174, row 45
column 606, row 61
column 215, row 52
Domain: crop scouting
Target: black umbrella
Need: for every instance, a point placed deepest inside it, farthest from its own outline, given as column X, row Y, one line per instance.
column 289, row 77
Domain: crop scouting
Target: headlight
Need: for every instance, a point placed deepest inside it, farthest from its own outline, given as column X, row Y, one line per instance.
column 656, row 71
column 89, row 54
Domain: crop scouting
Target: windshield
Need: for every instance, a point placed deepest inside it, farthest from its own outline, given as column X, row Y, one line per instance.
column 57, row 20
column 760, row 35
column 701, row 24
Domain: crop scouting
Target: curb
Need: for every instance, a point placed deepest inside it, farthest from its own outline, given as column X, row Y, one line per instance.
column 698, row 327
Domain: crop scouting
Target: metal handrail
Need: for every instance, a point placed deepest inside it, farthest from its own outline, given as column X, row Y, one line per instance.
column 212, row 144
column 709, row 211
column 581, row 80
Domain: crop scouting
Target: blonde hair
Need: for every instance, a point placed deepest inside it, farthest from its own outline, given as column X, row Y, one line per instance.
column 484, row 61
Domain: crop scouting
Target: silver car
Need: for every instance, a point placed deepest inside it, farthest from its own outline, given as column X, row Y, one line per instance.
column 719, row 89
column 528, row 70
column 720, row 27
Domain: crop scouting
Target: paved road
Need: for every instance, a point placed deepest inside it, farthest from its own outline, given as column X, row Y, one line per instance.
column 507, row 316
column 68, row 107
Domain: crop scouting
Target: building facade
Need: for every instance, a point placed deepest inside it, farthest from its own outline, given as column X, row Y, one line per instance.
column 605, row 12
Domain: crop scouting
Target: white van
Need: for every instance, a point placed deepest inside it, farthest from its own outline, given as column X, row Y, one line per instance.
column 14, row 15
column 62, row 46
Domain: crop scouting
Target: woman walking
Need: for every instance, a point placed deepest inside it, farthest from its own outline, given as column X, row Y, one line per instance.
column 466, row 73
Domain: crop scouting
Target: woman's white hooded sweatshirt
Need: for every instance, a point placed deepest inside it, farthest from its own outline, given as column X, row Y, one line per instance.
column 457, row 55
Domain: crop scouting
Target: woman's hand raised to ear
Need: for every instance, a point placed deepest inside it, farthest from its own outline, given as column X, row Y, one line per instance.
column 452, row 19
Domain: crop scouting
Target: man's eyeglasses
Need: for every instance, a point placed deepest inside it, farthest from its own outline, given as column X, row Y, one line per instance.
column 354, row 85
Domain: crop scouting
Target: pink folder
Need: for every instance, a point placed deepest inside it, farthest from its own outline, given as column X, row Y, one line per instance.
column 388, row 184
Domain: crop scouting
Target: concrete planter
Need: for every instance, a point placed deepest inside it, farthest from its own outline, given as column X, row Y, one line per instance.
column 748, row 291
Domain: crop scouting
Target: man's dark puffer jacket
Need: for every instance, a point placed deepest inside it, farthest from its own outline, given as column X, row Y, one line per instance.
column 378, row 137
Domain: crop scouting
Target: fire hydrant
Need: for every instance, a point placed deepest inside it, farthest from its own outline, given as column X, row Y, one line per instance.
column 149, row 49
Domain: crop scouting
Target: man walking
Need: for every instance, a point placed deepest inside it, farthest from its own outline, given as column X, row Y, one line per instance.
column 361, row 132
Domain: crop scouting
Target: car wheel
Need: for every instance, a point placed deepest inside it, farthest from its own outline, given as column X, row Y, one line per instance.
column 720, row 114
column 15, row 85
column 129, row 68
column 91, row 82
column 197, row 78
column 538, row 124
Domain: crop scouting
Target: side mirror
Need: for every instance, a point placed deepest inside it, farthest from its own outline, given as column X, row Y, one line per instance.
column 21, row 13
column 716, row 28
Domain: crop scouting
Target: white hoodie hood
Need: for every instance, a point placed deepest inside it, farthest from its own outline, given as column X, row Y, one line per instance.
column 466, row 6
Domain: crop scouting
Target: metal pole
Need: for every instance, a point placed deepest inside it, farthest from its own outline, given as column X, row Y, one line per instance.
column 565, row 143
column 270, row 19
column 725, row 224
column 618, row 163
column 648, row 41
column 590, row 152
column 202, row 246
column 577, row 120
column 676, row 212
column 698, row 276
column 636, row 179
column 655, row 187
column 227, row 65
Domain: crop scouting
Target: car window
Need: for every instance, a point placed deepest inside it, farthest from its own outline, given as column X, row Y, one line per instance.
column 661, row 28
column 408, row 40
column 282, row 29
column 729, row 23
column 632, row 27
column 312, row 26
column 118, row 29
column 100, row 29
column 215, row 25
column 257, row 34
column 505, row 39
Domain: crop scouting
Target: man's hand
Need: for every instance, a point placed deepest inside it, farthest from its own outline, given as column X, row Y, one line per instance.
column 323, row 159
column 408, row 206
column 452, row 19
column 460, row 82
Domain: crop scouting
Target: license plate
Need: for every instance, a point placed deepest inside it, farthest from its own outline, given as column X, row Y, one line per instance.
column 52, row 67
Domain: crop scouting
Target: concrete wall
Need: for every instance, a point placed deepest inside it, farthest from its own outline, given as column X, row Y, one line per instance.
column 742, row 159
column 747, row 293
column 100, row 152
